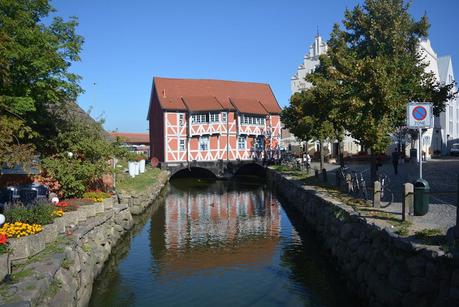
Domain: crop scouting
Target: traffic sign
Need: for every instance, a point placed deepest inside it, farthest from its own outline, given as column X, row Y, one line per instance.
column 419, row 115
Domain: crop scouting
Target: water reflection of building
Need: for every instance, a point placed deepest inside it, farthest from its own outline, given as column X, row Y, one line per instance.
column 199, row 218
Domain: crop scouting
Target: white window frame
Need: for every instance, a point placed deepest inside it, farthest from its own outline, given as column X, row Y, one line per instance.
column 242, row 142
column 181, row 120
column 204, row 140
column 224, row 117
column 182, row 145
column 214, row 117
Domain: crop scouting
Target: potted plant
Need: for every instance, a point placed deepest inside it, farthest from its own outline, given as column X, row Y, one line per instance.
column 131, row 164
column 141, row 160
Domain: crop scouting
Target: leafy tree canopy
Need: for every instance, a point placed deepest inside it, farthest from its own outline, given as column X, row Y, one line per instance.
column 35, row 81
column 378, row 60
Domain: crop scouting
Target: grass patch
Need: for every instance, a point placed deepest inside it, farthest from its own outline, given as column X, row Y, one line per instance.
column 137, row 184
column 430, row 236
column 21, row 274
column 66, row 263
column 53, row 288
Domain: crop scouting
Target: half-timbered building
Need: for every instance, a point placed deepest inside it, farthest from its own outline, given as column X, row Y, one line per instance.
column 212, row 120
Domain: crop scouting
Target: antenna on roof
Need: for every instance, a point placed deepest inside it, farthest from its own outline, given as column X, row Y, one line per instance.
column 317, row 30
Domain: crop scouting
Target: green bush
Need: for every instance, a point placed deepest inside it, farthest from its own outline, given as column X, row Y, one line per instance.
column 38, row 214
column 97, row 196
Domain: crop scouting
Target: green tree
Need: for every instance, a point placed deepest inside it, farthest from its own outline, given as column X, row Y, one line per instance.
column 315, row 113
column 35, row 82
column 378, row 61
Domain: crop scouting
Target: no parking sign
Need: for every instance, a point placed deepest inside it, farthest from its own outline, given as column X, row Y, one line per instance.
column 419, row 115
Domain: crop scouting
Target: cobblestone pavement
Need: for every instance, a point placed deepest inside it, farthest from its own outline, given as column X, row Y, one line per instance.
column 442, row 175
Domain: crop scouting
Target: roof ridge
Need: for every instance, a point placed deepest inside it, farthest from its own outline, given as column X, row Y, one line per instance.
column 219, row 80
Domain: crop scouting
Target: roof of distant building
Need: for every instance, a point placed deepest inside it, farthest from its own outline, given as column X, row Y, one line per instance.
column 132, row 138
column 215, row 95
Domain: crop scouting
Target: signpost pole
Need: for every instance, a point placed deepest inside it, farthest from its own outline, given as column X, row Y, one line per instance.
column 420, row 153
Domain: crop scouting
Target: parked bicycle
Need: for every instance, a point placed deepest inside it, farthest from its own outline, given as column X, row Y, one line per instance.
column 359, row 186
column 386, row 194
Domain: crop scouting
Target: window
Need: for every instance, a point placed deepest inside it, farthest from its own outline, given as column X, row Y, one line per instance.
column 204, row 143
column 241, row 142
column 252, row 120
column 224, row 117
column 181, row 145
column 214, row 117
column 199, row 118
column 181, row 120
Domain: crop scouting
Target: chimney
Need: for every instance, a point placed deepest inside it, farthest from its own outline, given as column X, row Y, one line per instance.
column 164, row 93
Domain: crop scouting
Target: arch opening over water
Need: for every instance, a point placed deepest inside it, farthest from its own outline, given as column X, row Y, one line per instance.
column 251, row 169
column 194, row 172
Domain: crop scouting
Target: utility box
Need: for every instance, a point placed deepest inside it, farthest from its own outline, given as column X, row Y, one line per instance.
column 421, row 197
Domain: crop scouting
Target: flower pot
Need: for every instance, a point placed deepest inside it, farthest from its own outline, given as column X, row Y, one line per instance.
column 142, row 166
column 137, row 168
column 131, row 166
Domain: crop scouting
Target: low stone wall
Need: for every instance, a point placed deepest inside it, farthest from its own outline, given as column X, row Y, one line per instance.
column 139, row 201
column 57, row 266
column 382, row 268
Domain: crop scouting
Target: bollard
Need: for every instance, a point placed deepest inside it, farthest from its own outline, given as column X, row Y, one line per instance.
column 349, row 183
column 324, row 175
column 377, row 194
column 408, row 202
column 316, row 173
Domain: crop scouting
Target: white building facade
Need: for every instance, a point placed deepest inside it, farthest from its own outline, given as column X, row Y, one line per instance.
column 298, row 84
column 445, row 132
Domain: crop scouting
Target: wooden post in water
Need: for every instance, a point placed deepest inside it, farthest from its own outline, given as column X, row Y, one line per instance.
column 377, row 194
column 408, row 202
column 324, row 175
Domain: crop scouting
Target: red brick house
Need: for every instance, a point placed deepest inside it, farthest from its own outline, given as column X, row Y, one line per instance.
column 212, row 120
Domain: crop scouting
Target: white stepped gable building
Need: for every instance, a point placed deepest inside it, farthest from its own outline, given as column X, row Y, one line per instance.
column 446, row 126
column 298, row 83
column 310, row 62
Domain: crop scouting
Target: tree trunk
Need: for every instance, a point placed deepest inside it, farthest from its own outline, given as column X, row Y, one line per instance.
column 373, row 166
column 321, row 143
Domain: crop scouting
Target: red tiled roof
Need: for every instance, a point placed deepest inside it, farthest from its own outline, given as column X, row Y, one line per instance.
column 170, row 91
column 202, row 103
column 249, row 106
column 132, row 138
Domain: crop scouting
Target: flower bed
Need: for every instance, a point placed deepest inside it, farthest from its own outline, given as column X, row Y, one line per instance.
column 19, row 229
column 96, row 196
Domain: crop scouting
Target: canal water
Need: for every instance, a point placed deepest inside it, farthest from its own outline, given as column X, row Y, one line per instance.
column 219, row 243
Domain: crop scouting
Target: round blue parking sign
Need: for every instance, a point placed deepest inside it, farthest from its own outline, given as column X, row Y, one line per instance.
column 419, row 113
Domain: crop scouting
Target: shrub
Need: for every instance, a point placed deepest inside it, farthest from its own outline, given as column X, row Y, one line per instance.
column 96, row 196
column 41, row 214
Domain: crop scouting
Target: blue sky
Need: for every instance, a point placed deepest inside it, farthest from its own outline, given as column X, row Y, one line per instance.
column 129, row 42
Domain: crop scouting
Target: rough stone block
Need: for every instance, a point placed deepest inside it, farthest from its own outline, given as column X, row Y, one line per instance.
column 99, row 207
column 108, row 203
column 50, row 233
column 72, row 217
column 82, row 215
column 90, row 210
column 60, row 223
column 20, row 248
column 4, row 266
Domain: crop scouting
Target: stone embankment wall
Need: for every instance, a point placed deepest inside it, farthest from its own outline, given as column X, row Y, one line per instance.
column 139, row 201
column 62, row 272
column 382, row 268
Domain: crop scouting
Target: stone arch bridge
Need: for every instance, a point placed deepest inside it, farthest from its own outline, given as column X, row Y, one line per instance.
column 222, row 169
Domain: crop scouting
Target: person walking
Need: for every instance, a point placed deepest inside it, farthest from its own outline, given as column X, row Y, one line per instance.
column 395, row 158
